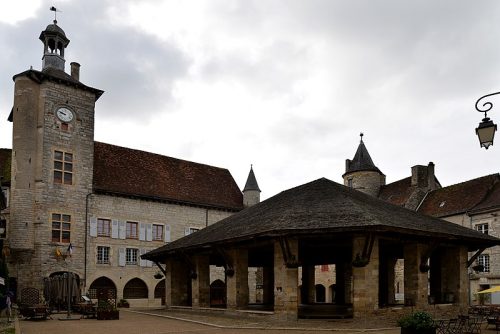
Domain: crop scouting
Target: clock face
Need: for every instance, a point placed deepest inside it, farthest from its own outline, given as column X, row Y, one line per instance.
column 64, row 114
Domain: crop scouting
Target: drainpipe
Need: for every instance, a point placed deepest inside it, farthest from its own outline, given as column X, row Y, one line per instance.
column 86, row 238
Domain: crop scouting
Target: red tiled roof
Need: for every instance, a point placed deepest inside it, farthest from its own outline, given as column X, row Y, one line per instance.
column 397, row 192
column 458, row 198
column 131, row 172
column 492, row 200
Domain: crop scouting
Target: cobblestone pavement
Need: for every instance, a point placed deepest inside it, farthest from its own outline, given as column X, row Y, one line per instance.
column 164, row 322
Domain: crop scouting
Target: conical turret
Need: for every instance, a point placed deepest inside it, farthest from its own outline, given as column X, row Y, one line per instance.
column 251, row 191
column 361, row 173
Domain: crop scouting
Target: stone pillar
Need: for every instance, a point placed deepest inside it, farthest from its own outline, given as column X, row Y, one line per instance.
column 175, row 280
column 415, row 281
column 365, row 279
column 237, row 285
column 455, row 281
column 340, row 282
column 286, row 283
column 391, row 281
column 268, row 285
column 201, row 285
column 308, row 285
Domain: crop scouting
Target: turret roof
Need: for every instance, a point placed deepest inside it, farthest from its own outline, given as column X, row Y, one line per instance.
column 251, row 182
column 361, row 161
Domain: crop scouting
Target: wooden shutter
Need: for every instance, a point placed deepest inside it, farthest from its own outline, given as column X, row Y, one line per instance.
column 149, row 232
column 142, row 262
column 114, row 229
column 142, row 231
column 122, row 229
column 167, row 233
column 121, row 257
column 93, row 227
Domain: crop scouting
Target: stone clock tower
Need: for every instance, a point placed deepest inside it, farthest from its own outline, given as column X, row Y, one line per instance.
column 52, row 166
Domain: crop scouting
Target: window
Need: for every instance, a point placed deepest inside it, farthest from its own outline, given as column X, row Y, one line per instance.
column 325, row 267
column 61, row 227
column 192, row 230
column 131, row 230
column 103, row 227
column 484, row 260
column 63, row 167
column 3, row 228
column 131, row 256
column 102, row 254
column 158, row 232
column 483, row 228
column 349, row 183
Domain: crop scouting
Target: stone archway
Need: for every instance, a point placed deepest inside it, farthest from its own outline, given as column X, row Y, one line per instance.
column 160, row 291
column 99, row 284
column 320, row 293
column 135, row 289
column 218, row 293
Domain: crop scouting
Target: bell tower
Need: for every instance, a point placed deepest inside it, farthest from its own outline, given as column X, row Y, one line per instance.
column 54, row 43
column 52, row 165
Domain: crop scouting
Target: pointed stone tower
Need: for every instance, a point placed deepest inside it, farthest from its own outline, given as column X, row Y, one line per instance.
column 251, row 192
column 361, row 173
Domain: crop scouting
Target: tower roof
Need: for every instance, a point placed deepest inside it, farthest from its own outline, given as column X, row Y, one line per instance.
column 54, row 30
column 361, row 161
column 251, row 182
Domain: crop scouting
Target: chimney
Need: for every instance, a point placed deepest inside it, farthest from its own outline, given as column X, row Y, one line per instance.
column 75, row 71
column 430, row 176
column 419, row 176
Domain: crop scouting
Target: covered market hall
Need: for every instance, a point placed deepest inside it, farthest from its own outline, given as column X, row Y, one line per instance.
column 317, row 223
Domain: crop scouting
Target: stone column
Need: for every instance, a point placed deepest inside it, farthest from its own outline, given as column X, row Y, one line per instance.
column 237, row 285
column 201, row 285
column 391, row 281
column 415, row 281
column 268, row 285
column 455, row 280
column 176, row 283
column 365, row 279
column 308, row 287
column 286, row 283
column 340, row 289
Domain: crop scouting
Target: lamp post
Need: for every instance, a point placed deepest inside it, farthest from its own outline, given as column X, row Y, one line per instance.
column 486, row 129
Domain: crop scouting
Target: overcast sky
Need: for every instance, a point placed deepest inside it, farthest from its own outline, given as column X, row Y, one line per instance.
column 284, row 85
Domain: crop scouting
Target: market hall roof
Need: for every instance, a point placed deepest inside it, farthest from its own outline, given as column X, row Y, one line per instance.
column 128, row 172
column 321, row 207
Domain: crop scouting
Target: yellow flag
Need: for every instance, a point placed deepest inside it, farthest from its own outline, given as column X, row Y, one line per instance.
column 58, row 252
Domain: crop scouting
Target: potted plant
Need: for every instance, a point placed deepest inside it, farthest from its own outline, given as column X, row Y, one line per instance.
column 123, row 303
column 419, row 322
column 107, row 311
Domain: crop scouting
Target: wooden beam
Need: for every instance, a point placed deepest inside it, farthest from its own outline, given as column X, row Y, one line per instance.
column 291, row 260
column 228, row 262
column 475, row 256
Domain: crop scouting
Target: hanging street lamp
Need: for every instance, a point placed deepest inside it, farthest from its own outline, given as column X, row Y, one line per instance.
column 486, row 129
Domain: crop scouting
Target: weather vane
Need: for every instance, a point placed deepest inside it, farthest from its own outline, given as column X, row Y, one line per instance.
column 361, row 135
column 55, row 10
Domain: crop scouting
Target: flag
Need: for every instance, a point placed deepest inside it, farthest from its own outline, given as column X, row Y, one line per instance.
column 58, row 252
column 69, row 251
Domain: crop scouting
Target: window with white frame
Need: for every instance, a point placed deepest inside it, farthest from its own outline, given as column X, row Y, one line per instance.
column 131, row 256
column 484, row 260
column 102, row 254
column 103, row 227
column 192, row 230
column 483, row 228
column 158, row 232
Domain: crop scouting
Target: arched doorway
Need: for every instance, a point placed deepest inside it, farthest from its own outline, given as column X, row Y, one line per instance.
column 218, row 293
column 160, row 291
column 320, row 293
column 101, row 283
column 135, row 289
